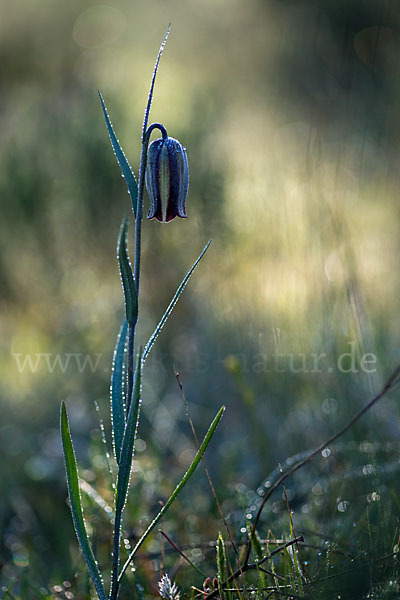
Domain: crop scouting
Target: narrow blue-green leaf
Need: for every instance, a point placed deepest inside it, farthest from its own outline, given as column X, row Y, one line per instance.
column 172, row 304
column 117, row 392
column 178, row 488
column 125, row 270
column 126, row 169
column 76, row 505
column 153, row 80
column 128, row 440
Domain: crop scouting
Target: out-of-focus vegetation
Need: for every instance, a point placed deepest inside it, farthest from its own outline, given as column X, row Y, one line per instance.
column 289, row 113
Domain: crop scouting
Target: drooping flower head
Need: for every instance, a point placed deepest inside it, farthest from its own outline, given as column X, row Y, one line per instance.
column 167, row 179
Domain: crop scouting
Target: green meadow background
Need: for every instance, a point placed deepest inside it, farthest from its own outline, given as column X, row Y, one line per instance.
column 289, row 111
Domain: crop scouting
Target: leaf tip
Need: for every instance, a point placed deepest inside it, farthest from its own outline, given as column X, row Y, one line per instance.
column 101, row 100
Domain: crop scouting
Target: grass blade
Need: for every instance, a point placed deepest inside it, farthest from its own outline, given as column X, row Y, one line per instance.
column 178, row 488
column 121, row 158
column 222, row 573
column 117, row 392
column 76, row 505
column 128, row 282
column 259, row 554
column 172, row 304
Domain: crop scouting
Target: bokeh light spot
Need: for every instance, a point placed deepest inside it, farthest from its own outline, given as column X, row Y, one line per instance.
column 99, row 26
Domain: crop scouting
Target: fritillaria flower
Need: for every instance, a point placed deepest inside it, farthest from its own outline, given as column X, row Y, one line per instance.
column 167, row 179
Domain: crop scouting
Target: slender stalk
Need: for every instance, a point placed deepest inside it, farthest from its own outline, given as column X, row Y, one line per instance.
column 115, row 563
column 138, row 244
column 139, row 212
column 131, row 330
column 146, row 133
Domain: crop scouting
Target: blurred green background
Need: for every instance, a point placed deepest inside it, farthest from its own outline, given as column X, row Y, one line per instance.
column 289, row 113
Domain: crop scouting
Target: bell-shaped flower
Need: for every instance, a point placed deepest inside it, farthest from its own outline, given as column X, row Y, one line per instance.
column 167, row 179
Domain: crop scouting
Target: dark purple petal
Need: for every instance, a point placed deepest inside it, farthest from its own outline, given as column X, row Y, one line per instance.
column 167, row 179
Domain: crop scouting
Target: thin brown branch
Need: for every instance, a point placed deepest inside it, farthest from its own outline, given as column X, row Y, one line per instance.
column 182, row 554
column 390, row 383
column 267, row 572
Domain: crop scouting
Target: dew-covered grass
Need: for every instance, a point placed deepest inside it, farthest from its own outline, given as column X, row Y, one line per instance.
column 289, row 116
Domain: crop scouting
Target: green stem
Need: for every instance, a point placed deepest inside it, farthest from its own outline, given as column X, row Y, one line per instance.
column 139, row 210
column 131, row 332
column 146, row 132
column 138, row 244
column 115, row 564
